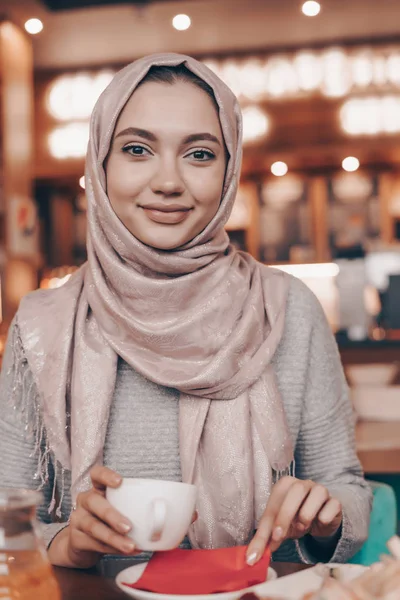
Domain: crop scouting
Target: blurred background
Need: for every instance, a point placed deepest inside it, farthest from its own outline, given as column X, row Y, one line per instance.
column 319, row 85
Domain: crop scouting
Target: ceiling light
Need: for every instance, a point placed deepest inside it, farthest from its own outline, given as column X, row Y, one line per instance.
column 350, row 164
column 34, row 26
column 311, row 8
column 279, row 168
column 82, row 182
column 181, row 22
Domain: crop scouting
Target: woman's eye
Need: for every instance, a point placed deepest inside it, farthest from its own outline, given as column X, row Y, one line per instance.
column 202, row 155
column 135, row 150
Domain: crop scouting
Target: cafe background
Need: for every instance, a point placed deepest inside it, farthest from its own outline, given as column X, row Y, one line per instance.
column 320, row 189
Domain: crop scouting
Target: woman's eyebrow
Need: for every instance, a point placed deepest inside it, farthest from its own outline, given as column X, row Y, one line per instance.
column 199, row 137
column 143, row 133
column 148, row 135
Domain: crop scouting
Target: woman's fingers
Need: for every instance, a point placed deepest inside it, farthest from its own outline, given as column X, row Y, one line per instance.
column 95, row 526
column 316, row 500
column 328, row 520
column 291, row 505
column 81, row 542
column 264, row 531
column 330, row 511
column 101, row 533
column 97, row 505
column 294, row 508
column 102, row 525
column 103, row 477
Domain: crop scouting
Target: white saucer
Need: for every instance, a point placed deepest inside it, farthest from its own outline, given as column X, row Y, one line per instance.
column 132, row 574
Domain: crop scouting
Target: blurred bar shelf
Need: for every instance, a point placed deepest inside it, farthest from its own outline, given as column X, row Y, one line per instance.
column 369, row 351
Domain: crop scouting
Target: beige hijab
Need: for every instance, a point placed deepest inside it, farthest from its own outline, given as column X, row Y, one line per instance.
column 204, row 319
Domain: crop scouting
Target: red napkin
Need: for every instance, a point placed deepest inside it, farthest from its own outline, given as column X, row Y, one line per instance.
column 201, row 571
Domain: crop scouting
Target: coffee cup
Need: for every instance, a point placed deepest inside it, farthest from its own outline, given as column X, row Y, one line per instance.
column 160, row 511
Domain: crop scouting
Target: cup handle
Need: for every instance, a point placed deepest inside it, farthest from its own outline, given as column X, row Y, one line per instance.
column 158, row 515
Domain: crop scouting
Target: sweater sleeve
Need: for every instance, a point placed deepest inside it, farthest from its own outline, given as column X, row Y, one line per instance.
column 21, row 444
column 325, row 451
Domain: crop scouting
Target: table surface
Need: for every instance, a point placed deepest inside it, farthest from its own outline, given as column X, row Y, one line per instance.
column 84, row 585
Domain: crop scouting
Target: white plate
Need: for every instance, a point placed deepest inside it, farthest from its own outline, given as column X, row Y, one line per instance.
column 294, row 587
column 132, row 574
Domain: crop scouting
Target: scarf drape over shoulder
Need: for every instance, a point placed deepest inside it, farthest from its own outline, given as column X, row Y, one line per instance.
column 205, row 319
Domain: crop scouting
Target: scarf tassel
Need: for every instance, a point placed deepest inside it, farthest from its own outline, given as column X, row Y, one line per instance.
column 24, row 401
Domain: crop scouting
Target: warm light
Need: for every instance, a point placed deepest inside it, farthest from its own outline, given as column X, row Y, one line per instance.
column 232, row 75
column 336, row 73
column 57, row 277
column 74, row 96
column 379, row 65
column 311, row 270
column 279, row 168
column 393, row 68
column 308, row 67
column 82, row 182
column 56, row 282
column 350, row 164
column 321, row 279
column 253, row 75
column 34, row 26
column 280, row 77
column 371, row 115
column 311, row 8
column 255, row 124
column 181, row 22
column 69, row 141
column 362, row 69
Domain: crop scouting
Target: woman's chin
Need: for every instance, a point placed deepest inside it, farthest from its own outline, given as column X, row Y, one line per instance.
column 163, row 242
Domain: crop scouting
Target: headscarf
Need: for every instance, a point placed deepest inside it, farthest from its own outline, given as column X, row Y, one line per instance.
column 205, row 319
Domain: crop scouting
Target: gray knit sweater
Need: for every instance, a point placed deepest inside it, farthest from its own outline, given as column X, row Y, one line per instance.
column 142, row 436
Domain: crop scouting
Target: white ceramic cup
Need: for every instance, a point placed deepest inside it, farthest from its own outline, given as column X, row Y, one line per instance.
column 160, row 511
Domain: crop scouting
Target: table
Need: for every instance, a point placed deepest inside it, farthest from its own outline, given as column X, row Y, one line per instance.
column 88, row 585
column 378, row 446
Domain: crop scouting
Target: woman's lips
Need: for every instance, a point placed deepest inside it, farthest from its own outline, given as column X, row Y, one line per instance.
column 167, row 217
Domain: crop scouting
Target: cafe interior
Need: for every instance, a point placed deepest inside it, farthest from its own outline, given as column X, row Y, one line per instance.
column 319, row 87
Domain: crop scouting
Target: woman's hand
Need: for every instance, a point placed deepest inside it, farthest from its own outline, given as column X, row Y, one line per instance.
column 95, row 528
column 294, row 509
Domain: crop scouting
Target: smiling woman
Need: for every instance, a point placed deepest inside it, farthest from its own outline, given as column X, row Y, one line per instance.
column 160, row 170
column 170, row 355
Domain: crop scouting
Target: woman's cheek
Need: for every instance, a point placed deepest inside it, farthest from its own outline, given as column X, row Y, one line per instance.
column 130, row 181
column 206, row 188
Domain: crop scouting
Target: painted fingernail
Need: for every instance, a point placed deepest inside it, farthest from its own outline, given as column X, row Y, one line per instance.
column 277, row 534
column 124, row 526
column 252, row 559
column 128, row 547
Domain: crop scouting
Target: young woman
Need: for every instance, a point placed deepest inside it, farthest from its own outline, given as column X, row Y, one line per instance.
column 171, row 355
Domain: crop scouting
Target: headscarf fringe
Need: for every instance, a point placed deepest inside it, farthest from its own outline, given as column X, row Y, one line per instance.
column 288, row 472
column 25, row 400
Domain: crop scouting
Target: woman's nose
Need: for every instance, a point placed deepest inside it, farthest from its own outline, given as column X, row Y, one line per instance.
column 167, row 180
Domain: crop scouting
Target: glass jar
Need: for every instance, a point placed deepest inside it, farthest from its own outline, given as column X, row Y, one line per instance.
column 25, row 571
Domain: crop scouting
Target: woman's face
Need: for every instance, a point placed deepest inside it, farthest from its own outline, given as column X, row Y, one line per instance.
column 166, row 166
